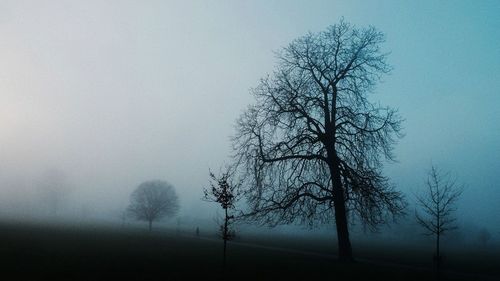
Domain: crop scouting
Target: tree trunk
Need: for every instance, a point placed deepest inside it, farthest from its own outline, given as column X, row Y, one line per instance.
column 438, row 258
column 225, row 236
column 438, row 234
column 344, row 243
column 150, row 225
column 224, row 257
column 437, row 246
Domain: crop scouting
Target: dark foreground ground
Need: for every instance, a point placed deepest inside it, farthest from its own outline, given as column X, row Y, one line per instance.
column 50, row 252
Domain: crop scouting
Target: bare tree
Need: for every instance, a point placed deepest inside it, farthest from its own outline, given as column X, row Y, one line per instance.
column 153, row 200
column 438, row 205
column 311, row 148
column 223, row 190
column 55, row 190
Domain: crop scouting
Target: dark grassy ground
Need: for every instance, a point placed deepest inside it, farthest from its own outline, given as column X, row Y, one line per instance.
column 49, row 252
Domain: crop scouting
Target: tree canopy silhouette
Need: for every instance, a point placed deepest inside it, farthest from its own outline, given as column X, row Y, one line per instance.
column 153, row 200
column 311, row 148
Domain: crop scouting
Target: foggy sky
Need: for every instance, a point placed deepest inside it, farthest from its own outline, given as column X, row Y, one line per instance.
column 114, row 93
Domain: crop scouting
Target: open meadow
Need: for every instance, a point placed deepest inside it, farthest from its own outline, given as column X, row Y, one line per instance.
column 31, row 251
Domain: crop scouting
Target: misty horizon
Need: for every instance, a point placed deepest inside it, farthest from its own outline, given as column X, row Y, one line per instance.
column 110, row 95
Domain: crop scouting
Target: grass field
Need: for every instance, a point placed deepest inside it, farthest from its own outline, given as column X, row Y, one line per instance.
column 49, row 252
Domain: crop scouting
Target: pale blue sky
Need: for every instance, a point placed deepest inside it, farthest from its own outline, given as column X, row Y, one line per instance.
column 117, row 92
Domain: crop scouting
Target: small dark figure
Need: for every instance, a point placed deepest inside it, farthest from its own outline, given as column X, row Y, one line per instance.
column 197, row 231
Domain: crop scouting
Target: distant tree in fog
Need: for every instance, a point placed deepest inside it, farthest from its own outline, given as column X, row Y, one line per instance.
column 438, row 206
column 54, row 188
column 484, row 236
column 223, row 190
column 153, row 200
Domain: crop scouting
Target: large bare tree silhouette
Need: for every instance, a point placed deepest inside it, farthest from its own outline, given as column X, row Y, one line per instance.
column 311, row 147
